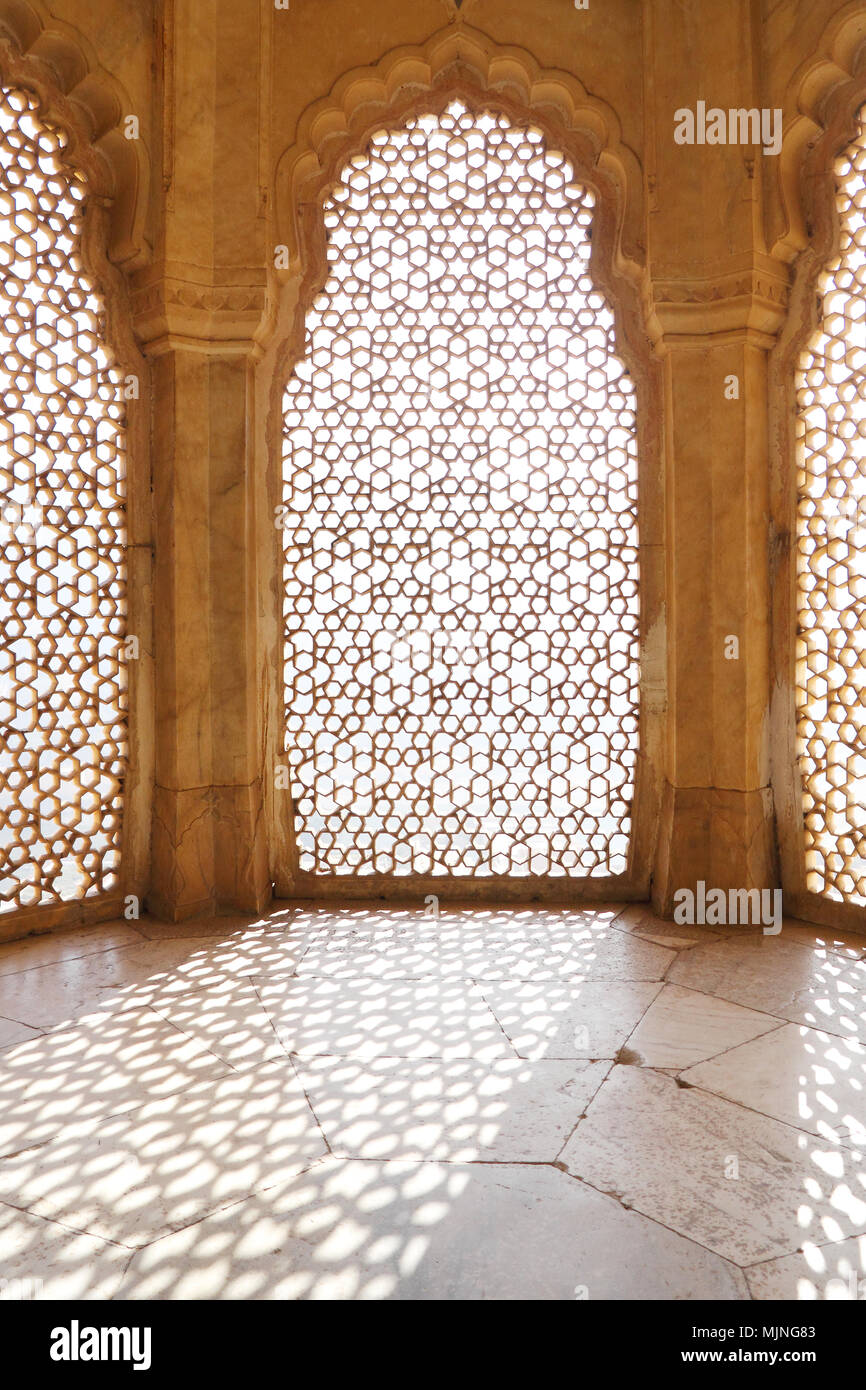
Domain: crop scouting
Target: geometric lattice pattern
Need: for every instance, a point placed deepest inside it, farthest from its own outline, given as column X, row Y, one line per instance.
column 62, row 569
column 460, row 522
column 831, row 545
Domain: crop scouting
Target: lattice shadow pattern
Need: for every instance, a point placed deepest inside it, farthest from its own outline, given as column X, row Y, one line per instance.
column 459, row 513
column 62, row 571
column 831, row 546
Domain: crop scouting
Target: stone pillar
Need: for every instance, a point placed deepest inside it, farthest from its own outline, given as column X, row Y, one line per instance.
column 715, row 303
column 197, row 312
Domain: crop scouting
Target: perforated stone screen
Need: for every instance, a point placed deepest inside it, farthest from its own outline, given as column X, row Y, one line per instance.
column 831, row 537
column 460, row 491
column 62, row 568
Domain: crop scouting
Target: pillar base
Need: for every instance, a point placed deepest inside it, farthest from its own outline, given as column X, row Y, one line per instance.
column 724, row 838
column 209, row 853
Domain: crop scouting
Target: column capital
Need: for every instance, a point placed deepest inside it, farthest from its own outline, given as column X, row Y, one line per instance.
column 748, row 300
column 218, row 311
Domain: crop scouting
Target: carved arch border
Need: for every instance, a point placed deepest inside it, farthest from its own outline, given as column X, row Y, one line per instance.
column 57, row 62
column 468, row 65
column 831, row 88
column 814, row 93
column 366, row 98
column 75, row 109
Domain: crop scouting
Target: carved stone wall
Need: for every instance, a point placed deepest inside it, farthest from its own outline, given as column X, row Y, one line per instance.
column 205, row 233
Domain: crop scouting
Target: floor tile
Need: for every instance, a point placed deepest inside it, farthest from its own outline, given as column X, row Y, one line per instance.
column 51, row 947
column 817, row 1273
column 508, row 1112
column 134, row 1177
column 665, row 1150
column 493, row 946
column 640, row 920
column 43, row 1260
column 846, row 943
column 221, row 926
column 682, row 1027
column 57, row 995
column 233, row 1024
column 383, row 1018
column 12, row 1033
column 274, row 948
column 569, row 1018
column 104, row 1067
column 815, row 1081
column 824, row 989
column 361, row 1231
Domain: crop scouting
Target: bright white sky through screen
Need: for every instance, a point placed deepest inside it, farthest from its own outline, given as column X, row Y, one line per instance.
column 62, row 538
column 460, row 491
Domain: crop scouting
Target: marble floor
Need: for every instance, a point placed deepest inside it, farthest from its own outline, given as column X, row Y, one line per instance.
column 373, row 1104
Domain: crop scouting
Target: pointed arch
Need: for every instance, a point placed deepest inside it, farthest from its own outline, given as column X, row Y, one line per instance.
column 508, row 82
column 828, row 92
column 820, row 98
column 56, row 61
column 455, row 60
column 105, row 540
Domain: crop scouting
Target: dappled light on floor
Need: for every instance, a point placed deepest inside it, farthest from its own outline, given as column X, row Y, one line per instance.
column 377, row 1103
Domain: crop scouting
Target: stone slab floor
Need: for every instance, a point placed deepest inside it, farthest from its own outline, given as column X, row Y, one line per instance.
column 372, row 1104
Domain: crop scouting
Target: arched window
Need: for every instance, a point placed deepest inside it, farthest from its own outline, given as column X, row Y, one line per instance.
column 62, row 567
column 831, row 548
column 460, row 513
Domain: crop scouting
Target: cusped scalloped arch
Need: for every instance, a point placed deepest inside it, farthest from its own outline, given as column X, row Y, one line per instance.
column 57, row 62
column 462, row 61
column 816, row 104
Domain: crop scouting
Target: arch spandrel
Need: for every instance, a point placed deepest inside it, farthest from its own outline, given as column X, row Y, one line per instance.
column 57, row 61
column 824, row 85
